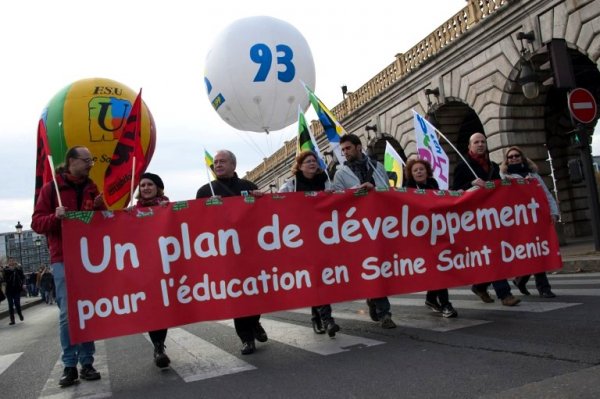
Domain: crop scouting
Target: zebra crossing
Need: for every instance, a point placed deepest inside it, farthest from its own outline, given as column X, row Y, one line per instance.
column 195, row 359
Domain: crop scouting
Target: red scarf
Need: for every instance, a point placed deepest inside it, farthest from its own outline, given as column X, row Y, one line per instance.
column 482, row 160
column 74, row 179
column 152, row 201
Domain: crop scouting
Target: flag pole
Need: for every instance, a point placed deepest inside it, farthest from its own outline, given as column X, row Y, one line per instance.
column 459, row 154
column 208, row 176
column 49, row 157
column 132, row 180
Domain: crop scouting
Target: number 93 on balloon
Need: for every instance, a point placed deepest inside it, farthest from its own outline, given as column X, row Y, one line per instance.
column 255, row 73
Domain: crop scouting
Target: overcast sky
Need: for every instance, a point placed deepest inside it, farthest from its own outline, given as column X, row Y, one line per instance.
column 161, row 46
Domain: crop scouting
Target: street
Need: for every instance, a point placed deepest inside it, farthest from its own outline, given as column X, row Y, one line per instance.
column 546, row 348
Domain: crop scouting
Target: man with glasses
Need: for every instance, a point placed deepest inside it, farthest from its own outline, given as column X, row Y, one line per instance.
column 77, row 193
column 360, row 172
column 486, row 170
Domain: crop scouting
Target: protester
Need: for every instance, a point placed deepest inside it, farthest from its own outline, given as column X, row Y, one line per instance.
column 359, row 172
column 517, row 166
column 308, row 176
column 78, row 193
column 15, row 278
column 420, row 175
column 478, row 159
column 31, row 287
column 228, row 184
column 151, row 193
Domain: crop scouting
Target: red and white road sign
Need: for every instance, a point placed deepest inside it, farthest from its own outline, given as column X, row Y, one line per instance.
column 582, row 105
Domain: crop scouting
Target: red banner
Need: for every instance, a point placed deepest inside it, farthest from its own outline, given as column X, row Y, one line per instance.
column 152, row 268
column 43, row 172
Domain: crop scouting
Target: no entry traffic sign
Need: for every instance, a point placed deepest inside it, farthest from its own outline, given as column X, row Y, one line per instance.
column 582, row 105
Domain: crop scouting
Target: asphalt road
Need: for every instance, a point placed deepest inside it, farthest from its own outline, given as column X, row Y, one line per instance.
column 543, row 348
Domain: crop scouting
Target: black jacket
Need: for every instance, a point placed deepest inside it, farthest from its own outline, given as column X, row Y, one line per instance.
column 226, row 187
column 430, row 184
column 463, row 176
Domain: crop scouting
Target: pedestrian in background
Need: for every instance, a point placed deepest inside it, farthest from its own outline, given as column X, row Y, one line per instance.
column 14, row 279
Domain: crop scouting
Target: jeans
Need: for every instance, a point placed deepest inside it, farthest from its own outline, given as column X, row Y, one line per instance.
column 14, row 303
column 541, row 281
column 382, row 306
column 84, row 352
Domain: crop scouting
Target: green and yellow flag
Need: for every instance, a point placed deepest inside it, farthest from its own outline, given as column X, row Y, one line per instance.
column 210, row 164
column 393, row 165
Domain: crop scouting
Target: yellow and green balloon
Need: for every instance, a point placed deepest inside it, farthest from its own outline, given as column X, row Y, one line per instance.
column 91, row 113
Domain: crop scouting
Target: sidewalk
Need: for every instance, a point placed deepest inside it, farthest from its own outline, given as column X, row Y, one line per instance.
column 25, row 303
column 579, row 256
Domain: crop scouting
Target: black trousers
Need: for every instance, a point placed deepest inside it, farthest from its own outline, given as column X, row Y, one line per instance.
column 245, row 327
column 158, row 336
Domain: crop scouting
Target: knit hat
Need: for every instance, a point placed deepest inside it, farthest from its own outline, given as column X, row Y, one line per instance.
column 155, row 178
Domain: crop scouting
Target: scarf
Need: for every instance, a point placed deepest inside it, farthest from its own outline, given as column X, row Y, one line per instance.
column 482, row 160
column 74, row 180
column 519, row 169
column 361, row 169
column 317, row 183
column 152, row 201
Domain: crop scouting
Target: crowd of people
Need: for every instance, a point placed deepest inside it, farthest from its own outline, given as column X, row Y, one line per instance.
column 79, row 192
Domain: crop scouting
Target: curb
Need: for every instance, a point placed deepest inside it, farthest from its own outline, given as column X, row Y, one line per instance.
column 580, row 265
column 4, row 313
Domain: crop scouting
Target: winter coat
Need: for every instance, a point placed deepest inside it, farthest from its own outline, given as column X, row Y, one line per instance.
column 344, row 177
column 226, row 187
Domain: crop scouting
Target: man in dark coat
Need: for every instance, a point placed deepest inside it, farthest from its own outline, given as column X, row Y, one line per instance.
column 228, row 184
column 479, row 160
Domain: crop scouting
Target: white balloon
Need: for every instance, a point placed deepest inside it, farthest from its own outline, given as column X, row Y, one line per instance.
column 254, row 74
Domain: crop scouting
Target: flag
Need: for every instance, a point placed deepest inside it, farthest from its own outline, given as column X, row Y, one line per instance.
column 306, row 140
column 43, row 171
column 210, row 163
column 117, row 178
column 333, row 130
column 430, row 149
column 394, row 165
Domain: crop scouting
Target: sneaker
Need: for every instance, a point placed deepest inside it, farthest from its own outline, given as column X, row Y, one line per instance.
column 547, row 294
column 483, row 295
column 372, row 310
column 332, row 328
column 434, row 306
column 448, row 311
column 160, row 357
column 69, row 377
column 317, row 325
column 521, row 287
column 248, row 347
column 259, row 333
column 387, row 322
column 89, row 373
column 510, row 301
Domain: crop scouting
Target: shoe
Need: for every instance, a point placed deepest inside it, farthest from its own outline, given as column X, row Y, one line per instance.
column 434, row 306
column 372, row 310
column 69, row 377
column 547, row 294
column 483, row 295
column 332, row 328
column 12, row 322
column 89, row 373
column 248, row 347
column 521, row 287
column 259, row 333
column 160, row 357
column 21, row 317
column 387, row 322
column 510, row 301
column 448, row 311
column 317, row 325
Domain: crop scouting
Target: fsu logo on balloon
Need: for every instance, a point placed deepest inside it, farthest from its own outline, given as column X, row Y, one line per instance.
column 92, row 113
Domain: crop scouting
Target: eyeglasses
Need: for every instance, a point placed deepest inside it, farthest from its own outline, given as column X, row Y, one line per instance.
column 309, row 161
column 513, row 156
column 87, row 160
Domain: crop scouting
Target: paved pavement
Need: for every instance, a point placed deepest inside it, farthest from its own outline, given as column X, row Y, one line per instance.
column 25, row 303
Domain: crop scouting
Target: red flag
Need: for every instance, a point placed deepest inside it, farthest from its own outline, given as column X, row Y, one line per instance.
column 117, row 178
column 43, row 173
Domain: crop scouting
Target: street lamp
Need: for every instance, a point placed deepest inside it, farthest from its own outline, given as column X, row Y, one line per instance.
column 38, row 244
column 19, row 228
column 528, row 79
